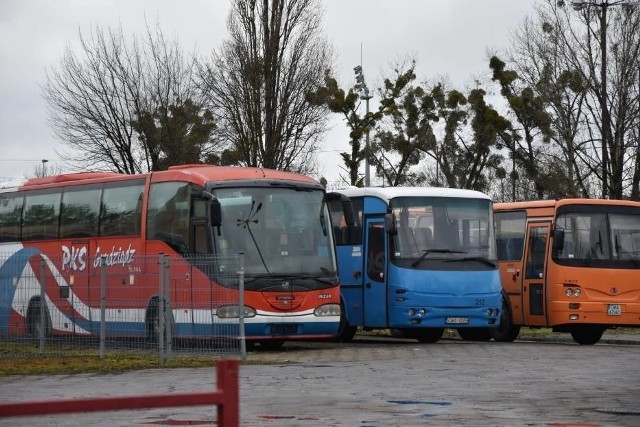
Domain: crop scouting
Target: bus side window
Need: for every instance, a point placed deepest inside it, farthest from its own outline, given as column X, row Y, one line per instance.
column 375, row 252
column 168, row 214
column 535, row 263
column 514, row 248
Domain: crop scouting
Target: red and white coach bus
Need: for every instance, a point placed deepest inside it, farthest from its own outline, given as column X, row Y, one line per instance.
column 192, row 213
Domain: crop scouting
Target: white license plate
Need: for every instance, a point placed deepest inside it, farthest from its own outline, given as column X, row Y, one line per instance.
column 614, row 310
column 457, row 320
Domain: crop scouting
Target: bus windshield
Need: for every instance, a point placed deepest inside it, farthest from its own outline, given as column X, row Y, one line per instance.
column 442, row 229
column 600, row 237
column 283, row 232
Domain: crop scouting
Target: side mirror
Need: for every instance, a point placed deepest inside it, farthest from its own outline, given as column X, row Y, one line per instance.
column 558, row 240
column 215, row 213
column 346, row 205
column 390, row 224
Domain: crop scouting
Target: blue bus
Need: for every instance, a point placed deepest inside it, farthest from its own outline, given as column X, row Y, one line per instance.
column 416, row 260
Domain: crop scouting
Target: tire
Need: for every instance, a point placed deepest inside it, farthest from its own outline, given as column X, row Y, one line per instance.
column 507, row 331
column 587, row 334
column 474, row 334
column 34, row 323
column 152, row 322
column 428, row 335
column 346, row 332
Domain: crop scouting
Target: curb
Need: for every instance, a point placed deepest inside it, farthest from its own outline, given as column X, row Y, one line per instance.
column 569, row 340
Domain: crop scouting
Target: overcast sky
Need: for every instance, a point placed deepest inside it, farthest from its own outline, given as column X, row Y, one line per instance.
column 447, row 37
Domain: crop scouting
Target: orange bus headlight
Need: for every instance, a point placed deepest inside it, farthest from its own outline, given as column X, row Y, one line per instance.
column 572, row 292
column 327, row 310
column 233, row 311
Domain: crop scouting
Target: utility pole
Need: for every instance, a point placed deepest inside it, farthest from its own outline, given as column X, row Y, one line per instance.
column 364, row 94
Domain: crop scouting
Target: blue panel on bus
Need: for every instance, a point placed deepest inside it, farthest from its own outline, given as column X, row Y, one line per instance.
column 373, row 205
column 442, row 294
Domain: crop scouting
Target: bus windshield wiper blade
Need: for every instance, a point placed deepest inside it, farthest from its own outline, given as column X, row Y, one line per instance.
column 298, row 277
column 481, row 259
column 434, row 251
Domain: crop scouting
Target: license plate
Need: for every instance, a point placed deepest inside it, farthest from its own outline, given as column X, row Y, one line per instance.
column 457, row 320
column 614, row 310
column 284, row 329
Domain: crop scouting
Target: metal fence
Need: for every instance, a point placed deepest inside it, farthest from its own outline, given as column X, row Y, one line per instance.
column 119, row 301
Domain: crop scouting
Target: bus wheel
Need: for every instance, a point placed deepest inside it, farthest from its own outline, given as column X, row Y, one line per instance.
column 507, row 331
column 152, row 322
column 587, row 334
column 34, row 322
column 346, row 332
column 474, row 334
column 428, row 335
column 271, row 345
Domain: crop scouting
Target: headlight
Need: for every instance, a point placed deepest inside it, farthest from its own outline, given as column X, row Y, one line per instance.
column 492, row 312
column 327, row 310
column 572, row 292
column 418, row 312
column 233, row 311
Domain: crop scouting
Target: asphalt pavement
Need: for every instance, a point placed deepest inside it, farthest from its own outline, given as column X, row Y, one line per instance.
column 377, row 382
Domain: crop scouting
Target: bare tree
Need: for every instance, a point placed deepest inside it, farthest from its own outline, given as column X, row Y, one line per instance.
column 584, row 64
column 540, row 61
column 112, row 102
column 257, row 82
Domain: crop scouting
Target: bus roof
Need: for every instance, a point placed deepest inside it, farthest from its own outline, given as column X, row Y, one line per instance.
column 548, row 206
column 388, row 193
column 198, row 174
column 205, row 173
column 11, row 184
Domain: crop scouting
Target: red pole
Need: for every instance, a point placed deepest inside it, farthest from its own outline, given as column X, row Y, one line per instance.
column 229, row 410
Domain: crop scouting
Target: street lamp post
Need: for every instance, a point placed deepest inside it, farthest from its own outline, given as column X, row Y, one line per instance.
column 44, row 167
column 364, row 94
column 602, row 95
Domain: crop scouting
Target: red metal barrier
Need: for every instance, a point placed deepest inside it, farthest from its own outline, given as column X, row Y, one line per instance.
column 226, row 397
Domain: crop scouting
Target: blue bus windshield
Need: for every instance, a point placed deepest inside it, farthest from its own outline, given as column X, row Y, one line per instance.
column 442, row 228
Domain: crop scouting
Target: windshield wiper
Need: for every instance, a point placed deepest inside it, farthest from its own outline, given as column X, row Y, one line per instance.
column 299, row 277
column 481, row 259
column 434, row 251
column 244, row 223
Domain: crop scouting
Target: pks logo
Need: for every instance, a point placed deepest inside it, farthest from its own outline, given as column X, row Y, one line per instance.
column 74, row 259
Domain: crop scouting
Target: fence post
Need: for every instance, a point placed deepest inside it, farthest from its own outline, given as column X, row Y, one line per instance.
column 160, row 310
column 167, row 307
column 227, row 382
column 103, row 303
column 242, row 337
column 43, row 300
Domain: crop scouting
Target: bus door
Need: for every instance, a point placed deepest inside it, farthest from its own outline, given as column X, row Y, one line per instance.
column 534, row 277
column 375, row 287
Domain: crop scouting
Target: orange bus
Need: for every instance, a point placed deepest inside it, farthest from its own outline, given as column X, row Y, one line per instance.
column 572, row 265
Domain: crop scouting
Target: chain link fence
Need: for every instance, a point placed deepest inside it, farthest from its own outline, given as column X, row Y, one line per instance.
column 116, row 301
